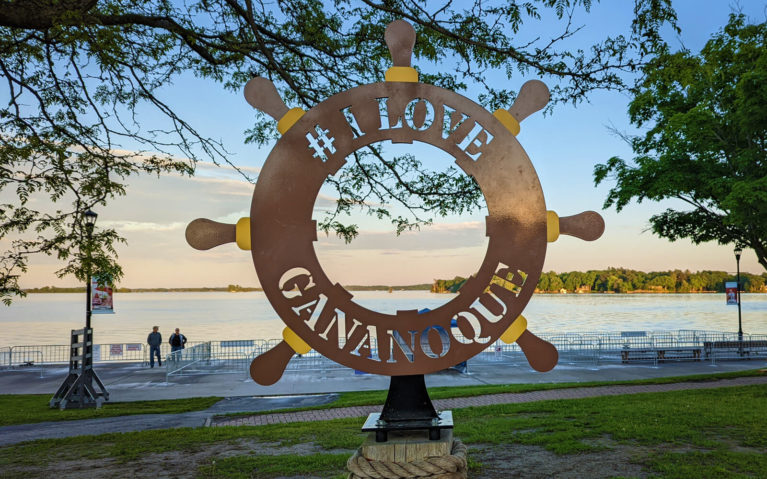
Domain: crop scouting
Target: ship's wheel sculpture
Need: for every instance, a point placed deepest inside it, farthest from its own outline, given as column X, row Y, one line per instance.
column 280, row 233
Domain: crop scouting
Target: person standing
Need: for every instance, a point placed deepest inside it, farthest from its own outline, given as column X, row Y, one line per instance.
column 154, row 340
column 177, row 342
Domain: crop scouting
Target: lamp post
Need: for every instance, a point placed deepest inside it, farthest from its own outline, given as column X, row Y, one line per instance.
column 738, row 251
column 82, row 386
column 90, row 220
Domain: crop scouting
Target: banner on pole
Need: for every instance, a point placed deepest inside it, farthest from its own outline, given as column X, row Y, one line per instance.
column 731, row 292
column 101, row 298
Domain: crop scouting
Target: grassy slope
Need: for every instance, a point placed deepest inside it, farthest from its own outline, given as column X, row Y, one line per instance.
column 32, row 408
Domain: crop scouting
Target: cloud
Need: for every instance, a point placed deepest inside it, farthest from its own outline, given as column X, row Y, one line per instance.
column 444, row 236
column 206, row 169
column 134, row 226
column 452, row 227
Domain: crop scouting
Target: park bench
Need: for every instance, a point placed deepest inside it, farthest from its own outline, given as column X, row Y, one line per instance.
column 637, row 347
column 661, row 354
column 676, row 354
column 658, row 349
column 735, row 348
column 638, row 354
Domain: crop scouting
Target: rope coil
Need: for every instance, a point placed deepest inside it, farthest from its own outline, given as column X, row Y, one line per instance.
column 438, row 467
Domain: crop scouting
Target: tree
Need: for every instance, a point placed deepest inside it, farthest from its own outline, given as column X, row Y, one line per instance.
column 573, row 280
column 707, row 141
column 664, row 281
column 78, row 74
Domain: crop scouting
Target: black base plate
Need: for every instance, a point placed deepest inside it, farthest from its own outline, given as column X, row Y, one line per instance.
column 374, row 423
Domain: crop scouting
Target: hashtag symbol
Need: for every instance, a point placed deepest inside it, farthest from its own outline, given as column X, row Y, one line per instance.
column 320, row 143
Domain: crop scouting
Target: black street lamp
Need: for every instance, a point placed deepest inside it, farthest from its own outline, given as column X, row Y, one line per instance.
column 82, row 387
column 738, row 251
column 90, row 220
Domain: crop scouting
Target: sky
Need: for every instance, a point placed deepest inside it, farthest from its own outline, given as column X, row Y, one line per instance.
column 563, row 145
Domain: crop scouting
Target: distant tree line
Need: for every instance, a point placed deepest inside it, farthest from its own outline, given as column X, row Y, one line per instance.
column 381, row 287
column 621, row 280
column 615, row 280
column 447, row 285
column 236, row 288
column 232, row 288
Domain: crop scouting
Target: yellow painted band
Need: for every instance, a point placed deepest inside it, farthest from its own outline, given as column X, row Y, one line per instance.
column 289, row 119
column 405, row 74
column 295, row 342
column 515, row 330
column 552, row 226
column 507, row 120
column 242, row 233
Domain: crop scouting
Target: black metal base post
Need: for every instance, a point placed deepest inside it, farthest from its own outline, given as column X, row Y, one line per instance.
column 408, row 400
column 82, row 387
column 408, row 407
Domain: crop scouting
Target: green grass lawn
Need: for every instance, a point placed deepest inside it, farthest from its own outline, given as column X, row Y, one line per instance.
column 370, row 398
column 696, row 433
column 32, row 408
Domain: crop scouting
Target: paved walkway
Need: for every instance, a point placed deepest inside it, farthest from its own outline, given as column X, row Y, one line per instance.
column 487, row 400
column 145, row 422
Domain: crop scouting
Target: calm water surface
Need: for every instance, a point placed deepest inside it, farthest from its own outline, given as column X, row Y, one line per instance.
column 48, row 318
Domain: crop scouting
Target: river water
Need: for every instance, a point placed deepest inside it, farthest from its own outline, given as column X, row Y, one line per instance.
column 48, row 318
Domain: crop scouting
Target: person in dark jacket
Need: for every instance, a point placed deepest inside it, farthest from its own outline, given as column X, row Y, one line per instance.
column 154, row 340
column 177, row 342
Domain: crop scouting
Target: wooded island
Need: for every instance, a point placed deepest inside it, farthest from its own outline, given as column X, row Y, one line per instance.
column 611, row 280
column 621, row 280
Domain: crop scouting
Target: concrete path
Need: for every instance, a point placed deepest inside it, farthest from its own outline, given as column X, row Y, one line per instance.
column 144, row 422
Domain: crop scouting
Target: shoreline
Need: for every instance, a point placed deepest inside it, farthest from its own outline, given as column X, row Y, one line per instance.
column 390, row 289
column 348, row 288
column 54, row 290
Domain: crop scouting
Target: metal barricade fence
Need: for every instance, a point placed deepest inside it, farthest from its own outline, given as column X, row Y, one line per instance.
column 23, row 357
column 49, row 354
column 575, row 348
column 134, row 352
column 664, row 339
column 59, row 353
column 235, row 356
column 497, row 352
column 185, row 361
column 689, row 337
column 26, row 356
column 753, row 346
column 5, row 357
column 314, row 361
column 232, row 356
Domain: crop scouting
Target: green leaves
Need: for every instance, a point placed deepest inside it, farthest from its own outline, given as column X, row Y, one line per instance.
column 705, row 142
column 80, row 76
